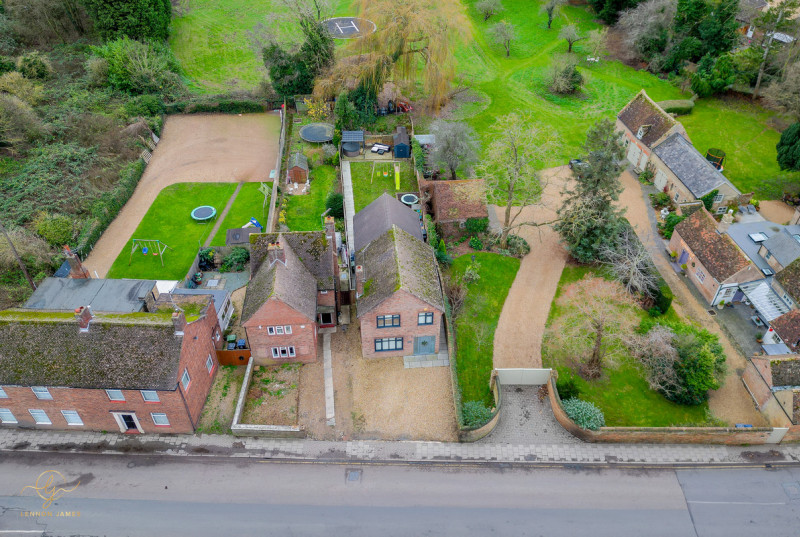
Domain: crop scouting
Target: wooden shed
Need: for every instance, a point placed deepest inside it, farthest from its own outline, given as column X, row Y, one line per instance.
column 297, row 169
column 402, row 144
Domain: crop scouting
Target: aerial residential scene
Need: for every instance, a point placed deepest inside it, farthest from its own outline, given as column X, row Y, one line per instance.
column 469, row 267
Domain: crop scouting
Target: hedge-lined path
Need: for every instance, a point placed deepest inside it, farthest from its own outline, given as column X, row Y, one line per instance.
column 221, row 217
column 731, row 403
column 210, row 148
column 518, row 338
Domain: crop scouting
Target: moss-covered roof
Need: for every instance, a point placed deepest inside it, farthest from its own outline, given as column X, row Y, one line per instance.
column 312, row 248
column 789, row 278
column 395, row 261
column 135, row 351
column 642, row 111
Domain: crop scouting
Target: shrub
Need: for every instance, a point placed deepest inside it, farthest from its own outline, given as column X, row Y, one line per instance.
column 443, row 258
column 137, row 19
column 330, row 155
column 660, row 199
column 32, row 249
column 475, row 243
column 680, row 107
column 669, row 224
column 335, row 203
column 57, row 230
column 6, row 65
column 206, row 259
column 476, row 226
column 567, row 388
column 708, row 199
column 475, row 414
column 518, row 246
column 18, row 123
column 22, row 88
column 34, row 65
column 419, row 156
column 141, row 68
column 236, row 260
column 584, row 414
column 471, row 273
column 223, row 105
column 97, row 71
column 663, row 296
column 144, row 105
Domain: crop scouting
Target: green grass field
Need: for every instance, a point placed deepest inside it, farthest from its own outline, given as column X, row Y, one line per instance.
column 623, row 393
column 477, row 322
column 249, row 203
column 369, row 182
column 304, row 212
column 169, row 221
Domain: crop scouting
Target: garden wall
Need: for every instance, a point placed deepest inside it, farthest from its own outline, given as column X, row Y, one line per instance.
column 475, row 434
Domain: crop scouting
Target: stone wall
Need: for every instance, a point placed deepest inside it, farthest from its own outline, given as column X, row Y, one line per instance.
column 472, row 435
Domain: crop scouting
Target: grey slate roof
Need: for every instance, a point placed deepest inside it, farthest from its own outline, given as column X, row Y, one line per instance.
column 783, row 247
column 353, row 136
column 689, row 166
column 292, row 283
column 240, row 235
column 112, row 296
column 740, row 233
column 297, row 159
column 394, row 261
column 312, row 248
column 137, row 351
column 401, row 136
column 379, row 216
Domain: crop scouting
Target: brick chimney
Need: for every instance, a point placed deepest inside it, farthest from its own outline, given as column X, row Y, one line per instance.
column 725, row 223
column 179, row 322
column 76, row 269
column 330, row 228
column 275, row 252
column 84, row 316
column 359, row 281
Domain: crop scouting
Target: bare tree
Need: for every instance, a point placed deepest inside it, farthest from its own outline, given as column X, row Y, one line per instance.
column 511, row 167
column 503, row 34
column 596, row 42
column 456, row 293
column 563, row 75
column 456, row 145
column 784, row 95
column 488, row 8
column 571, row 35
column 631, row 263
column 645, row 20
column 776, row 18
column 656, row 351
column 552, row 7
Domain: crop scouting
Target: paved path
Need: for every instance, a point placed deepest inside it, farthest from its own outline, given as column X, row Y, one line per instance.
column 222, row 216
column 349, row 204
column 330, row 412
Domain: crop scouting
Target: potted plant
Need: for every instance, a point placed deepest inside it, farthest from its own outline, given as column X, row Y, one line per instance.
column 721, row 305
column 683, row 269
column 760, row 337
column 673, row 255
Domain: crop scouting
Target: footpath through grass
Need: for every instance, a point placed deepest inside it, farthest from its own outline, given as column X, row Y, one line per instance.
column 369, row 181
column 477, row 322
column 249, row 203
column 169, row 221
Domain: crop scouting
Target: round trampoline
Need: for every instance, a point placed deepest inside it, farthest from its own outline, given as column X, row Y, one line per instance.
column 351, row 149
column 204, row 213
column 409, row 199
column 317, row 132
column 349, row 27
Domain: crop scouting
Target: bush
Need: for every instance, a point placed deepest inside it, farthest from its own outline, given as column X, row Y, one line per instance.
column 57, row 230
column 663, row 296
column 236, row 260
column 669, row 224
column 475, row 414
column 206, row 259
column 141, row 68
column 330, row 155
column 443, row 258
column 584, row 414
column 34, row 65
column 136, row 19
column 475, row 243
column 708, row 199
column 335, row 203
column 680, row 107
column 518, row 246
column 471, row 273
column 222, row 105
column 18, row 123
column 144, row 105
column 97, row 71
column 33, row 250
column 419, row 156
column 6, row 65
column 660, row 199
column 22, row 88
column 567, row 388
column 476, row 226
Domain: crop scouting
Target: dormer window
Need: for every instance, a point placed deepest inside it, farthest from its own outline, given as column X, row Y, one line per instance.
column 642, row 131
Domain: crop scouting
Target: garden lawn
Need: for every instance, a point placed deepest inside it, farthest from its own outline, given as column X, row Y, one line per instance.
column 369, row 183
column 249, row 203
column 303, row 212
column 476, row 324
column 623, row 393
column 169, row 221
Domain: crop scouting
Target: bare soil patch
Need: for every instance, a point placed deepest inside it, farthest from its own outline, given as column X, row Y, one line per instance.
column 273, row 396
column 194, row 148
column 776, row 211
column 221, row 403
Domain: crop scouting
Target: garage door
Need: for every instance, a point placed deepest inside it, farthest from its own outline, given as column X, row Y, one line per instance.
column 660, row 180
column 633, row 154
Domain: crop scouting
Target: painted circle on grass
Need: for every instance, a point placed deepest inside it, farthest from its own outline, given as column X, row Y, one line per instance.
column 317, row 132
column 349, row 27
column 204, row 213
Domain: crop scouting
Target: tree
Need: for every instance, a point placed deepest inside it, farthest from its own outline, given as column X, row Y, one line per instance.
column 588, row 220
column 645, row 27
column 656, row 352
column 456, row 145
column 630, row 262
column 345, row 112
column 563, row 76
column 137, row 19
column 317, row 48
column 713, row 75
column 571, row 35
column 596, row 42
column 511, row 167
column 609, row 10
column 776, row 18
column 503, row 34
column 551, row 8
column 789, row 148
column 289, row 74
column 784, row 95
column 488, row 8
column 719, row 30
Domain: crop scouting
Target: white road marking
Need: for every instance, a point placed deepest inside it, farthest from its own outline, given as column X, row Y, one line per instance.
column 737, row 503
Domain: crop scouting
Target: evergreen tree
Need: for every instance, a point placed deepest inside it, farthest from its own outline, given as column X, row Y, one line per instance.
column 137, row 19
column 288, row 72
column 789, row 148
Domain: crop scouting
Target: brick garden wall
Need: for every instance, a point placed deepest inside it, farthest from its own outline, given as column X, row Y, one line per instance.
column 408, row 307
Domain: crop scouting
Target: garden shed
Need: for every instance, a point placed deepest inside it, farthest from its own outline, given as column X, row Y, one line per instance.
column 297, row 169
column 402, row 143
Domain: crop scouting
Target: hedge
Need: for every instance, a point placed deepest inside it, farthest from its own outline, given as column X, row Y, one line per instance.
column 220, row 105
column 679, row 107
column 663, row 298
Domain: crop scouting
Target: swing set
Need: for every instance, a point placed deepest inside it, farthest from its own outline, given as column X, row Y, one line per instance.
column 151, row 246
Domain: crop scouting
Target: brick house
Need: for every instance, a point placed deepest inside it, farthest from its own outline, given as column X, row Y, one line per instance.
column 292, row 293
column 644, row 124
column 682, row 172
column 714, row 263
column 137, row 372
column 398, row 296
column 453, row 202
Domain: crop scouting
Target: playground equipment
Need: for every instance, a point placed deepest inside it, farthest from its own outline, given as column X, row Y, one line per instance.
column 396, row 177
column 146, row 245
column 716, row 157
column 317, row 132
column 204, row 213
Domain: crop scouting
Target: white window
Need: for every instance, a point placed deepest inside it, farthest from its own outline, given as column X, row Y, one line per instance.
column 279, row 330
column 677, row 196
column 40, row 417
column 788, row 299
column 150, row 396
column 276, row 352
column 185, row 379
column 287, row 329
column 159, row 419
column 3, row 394
column 291, row 352
column 209, row 363
column 271, row 330
column 718, row 198
column 115, row 395
column 700, row 275
column 41, row 393
column 72, row 417
column 722, row 210
column 284, row 352
column 6, row 416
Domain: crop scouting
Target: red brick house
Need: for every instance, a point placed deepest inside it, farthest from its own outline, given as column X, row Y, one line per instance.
column 133, row 372
column 644, row 125
column 399, row 296
column 453, row 202
column 292, row 293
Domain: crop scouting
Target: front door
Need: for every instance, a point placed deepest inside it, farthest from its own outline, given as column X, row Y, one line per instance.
column 326, row 319
column 127, row 422
column 633, row 154
column 683, row 258
column 425, row 345
column 661, row 180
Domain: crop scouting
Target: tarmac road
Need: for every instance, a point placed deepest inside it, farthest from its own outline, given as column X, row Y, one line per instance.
column 148, row 496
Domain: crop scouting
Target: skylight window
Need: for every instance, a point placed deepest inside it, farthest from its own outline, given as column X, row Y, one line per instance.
column 757, row 237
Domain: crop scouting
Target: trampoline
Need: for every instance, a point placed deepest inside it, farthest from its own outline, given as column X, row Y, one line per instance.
column 317, row 132
column 349, row 27
column 204, row 213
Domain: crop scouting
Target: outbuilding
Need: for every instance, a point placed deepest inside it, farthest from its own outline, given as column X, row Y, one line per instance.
column 297, row 171
column 402, row 143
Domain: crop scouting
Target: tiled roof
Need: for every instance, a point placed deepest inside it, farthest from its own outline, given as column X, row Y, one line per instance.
column 459, row 200
column 378, row 217
column 789, row 278
column 788, row 328
column 135, row 351
column 312, row 248
column 689, row 166
column 783, row 247
column 394, row 261
column 643, row 111
column 298, row 159
column 716, row 252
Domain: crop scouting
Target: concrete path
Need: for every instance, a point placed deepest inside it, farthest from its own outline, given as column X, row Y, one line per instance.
column 222, row 216
column 330, row 412
column 349, row 204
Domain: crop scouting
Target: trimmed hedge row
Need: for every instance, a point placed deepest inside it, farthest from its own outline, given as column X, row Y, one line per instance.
column 680, row 107
column 220, row 105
